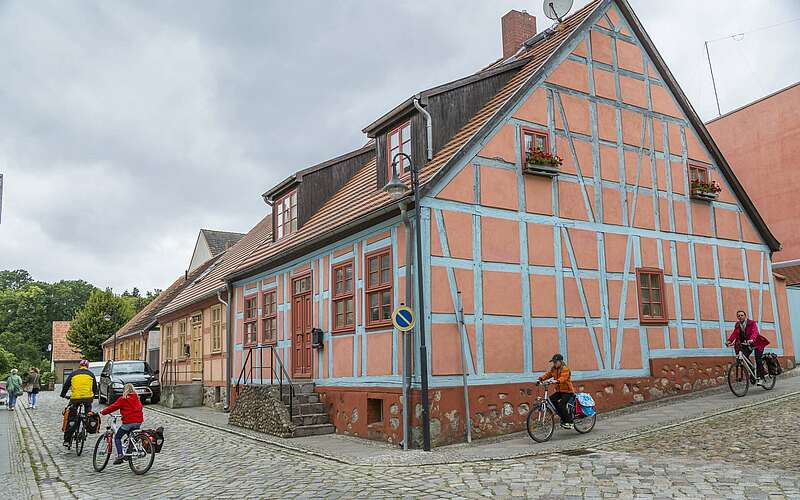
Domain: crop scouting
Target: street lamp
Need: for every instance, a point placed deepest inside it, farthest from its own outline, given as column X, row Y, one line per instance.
column 396, row 190
column 107, row 318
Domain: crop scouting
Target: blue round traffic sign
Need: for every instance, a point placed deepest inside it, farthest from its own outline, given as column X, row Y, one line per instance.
column 403, row 318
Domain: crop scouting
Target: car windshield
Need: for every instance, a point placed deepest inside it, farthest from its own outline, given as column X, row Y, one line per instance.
column 96, row 370
column 131, row 367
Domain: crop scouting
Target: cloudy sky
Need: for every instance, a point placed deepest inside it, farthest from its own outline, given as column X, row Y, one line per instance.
column 125, row 127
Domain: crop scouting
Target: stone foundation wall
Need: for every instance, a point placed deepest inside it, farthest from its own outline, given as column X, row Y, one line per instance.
column 214, row 396
column 260, row 408
column 503, row 409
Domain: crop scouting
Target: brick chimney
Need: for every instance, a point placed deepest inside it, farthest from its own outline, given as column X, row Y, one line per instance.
column 517, row 27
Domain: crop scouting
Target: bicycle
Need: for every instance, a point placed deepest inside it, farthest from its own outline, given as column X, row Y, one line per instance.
column 137, row 449
column 79, row 435
column 742, row 372
column 545, row 412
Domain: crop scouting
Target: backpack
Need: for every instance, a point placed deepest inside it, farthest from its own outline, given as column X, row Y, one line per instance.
column 773, row 364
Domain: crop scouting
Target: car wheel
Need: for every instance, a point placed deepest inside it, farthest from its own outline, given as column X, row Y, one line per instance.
column 155, row 399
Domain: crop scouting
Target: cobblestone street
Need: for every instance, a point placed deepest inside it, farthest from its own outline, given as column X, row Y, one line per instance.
column 702, row 459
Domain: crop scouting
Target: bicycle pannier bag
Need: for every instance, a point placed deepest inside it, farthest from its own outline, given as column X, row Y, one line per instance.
column 773, row 364
column 65, row 422
column 586, row 403
column 92, row 422
column 156, row 438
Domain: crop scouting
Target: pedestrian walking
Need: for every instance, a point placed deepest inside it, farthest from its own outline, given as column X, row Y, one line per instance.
column 32, row 386
column 14, row 388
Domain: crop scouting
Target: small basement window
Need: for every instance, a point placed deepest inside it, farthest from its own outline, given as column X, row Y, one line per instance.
column 399, row 141
column 652, row 309
column 374, row 411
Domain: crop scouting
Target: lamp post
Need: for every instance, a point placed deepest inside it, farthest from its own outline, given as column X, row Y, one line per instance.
column 107, row 318
column 397, row 189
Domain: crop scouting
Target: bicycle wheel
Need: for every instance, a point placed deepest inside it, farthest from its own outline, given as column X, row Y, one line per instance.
column 541, row 424
column 738, row 379
column 585, row 424
column 102, row 452
column 80, row 439
column 141, row 460
column 769, row 382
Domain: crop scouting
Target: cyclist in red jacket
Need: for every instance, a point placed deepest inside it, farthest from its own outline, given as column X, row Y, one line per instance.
column 130, row 407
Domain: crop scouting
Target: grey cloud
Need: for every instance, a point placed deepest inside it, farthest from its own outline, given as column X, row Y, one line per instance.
column 126, row 126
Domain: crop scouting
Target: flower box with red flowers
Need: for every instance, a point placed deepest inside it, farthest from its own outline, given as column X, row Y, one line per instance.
column 540, row 162
column 702, row 190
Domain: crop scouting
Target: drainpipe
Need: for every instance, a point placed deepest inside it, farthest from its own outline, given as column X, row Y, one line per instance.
column 408, row 340
column 428, row 127
column 228, row 345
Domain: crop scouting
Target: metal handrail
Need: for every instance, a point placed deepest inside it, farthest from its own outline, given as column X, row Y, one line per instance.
column 246, row 373
column 170, row 372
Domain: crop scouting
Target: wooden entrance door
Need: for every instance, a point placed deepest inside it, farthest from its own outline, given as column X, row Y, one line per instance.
column 197, row 347
column 301, row 327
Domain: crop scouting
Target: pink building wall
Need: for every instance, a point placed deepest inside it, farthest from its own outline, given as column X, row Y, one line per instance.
column 761, row 142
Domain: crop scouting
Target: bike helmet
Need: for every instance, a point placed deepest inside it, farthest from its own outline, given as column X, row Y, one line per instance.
column 84, row 363
column 557, row 357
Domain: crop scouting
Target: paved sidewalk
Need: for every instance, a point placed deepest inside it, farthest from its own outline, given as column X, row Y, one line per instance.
column 16, row 474
column 614, row 426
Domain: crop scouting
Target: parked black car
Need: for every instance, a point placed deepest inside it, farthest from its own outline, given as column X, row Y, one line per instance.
column 118, row 373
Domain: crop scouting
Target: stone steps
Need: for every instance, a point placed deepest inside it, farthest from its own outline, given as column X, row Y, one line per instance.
column 307, row 408
column 312, row 419
column 314, row 430
column 309, row 416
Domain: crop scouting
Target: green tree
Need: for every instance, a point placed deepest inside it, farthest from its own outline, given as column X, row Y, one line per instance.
column 89, row 329
column 13, row 280
column 66, row 297
column 7, row 362
column 137, row 300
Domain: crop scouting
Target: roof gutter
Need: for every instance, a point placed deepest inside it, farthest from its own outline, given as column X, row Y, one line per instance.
column 428, row 126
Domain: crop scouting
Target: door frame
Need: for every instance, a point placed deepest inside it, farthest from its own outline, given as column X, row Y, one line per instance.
column 196, row 356
column 309, row 294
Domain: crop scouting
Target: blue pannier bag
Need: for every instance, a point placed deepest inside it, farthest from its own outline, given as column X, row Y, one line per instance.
column 586, row 402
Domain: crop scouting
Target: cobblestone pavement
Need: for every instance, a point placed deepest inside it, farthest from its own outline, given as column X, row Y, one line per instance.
column 198, row 462
column 753, row 436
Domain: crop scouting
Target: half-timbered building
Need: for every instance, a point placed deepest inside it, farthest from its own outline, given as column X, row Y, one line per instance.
column 625, row 257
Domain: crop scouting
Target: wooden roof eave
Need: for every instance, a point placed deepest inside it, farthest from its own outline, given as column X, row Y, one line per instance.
column 358, row 224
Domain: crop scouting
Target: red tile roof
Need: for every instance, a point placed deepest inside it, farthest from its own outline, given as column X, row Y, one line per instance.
column 62, row 351
column 147, row 316
column 360, row 197
column 207, row 285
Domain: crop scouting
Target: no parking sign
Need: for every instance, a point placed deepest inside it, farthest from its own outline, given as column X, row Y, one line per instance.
column 403, row 318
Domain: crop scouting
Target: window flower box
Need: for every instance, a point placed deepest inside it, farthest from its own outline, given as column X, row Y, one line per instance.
column 539, row 162
column 708, row 191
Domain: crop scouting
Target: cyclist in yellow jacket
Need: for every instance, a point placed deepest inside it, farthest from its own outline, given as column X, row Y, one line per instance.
column 84, row 387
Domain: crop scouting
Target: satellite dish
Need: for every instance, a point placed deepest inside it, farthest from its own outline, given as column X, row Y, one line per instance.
column 557, row 9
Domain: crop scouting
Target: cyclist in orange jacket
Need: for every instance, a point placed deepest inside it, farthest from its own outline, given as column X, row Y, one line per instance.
column 565, row 391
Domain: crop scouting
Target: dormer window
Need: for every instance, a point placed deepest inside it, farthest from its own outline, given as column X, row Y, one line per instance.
column 399, row 141
column 286, row 215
